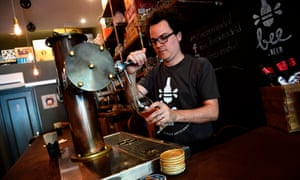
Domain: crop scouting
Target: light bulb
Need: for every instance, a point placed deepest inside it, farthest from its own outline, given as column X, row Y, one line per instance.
column 82, row 20
column 35, row 70
column 103, row 23
column 30, row 57
column 17, row 28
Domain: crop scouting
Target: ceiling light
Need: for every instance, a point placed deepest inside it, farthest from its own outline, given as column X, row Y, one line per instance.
column 30, row 57
column 82, row 20
column 17, row 28
column 102, row 21
column 35, row 70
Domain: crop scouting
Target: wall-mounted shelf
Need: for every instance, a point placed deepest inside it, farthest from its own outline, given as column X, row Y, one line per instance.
column 117, row 5
column 130, row 35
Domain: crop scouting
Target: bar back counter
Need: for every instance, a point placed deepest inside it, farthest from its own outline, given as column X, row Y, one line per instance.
column 262, row 153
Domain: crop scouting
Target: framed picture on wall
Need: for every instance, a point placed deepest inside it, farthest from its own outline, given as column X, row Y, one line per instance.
column 23, row 52
column 8, row 54
column 49, row 101
column 42, row 52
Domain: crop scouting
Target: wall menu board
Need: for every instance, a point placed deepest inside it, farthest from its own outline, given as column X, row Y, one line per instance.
column 215, row 31
column 217, row 40
column 259, row 31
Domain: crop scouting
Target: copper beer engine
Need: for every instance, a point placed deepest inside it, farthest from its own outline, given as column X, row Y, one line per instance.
column 83, row 68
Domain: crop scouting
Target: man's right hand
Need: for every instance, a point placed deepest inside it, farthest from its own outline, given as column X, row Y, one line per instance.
column 138, row 59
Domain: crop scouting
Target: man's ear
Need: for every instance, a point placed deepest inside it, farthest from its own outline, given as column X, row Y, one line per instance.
column 179, row 36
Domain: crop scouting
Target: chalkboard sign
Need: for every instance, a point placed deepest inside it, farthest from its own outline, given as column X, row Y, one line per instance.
column 213, row 31
column 245, row 34
column 217, row 40
column 275, row 28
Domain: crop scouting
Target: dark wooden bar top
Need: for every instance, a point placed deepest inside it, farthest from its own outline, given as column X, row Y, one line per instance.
column 262, row 153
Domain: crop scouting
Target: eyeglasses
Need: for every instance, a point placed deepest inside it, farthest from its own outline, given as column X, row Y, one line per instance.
column 162, row 39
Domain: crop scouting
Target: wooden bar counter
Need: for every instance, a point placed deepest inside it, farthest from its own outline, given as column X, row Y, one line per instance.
column 262, row 153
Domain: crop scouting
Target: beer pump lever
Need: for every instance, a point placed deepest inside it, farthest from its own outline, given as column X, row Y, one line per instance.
column 121, row 67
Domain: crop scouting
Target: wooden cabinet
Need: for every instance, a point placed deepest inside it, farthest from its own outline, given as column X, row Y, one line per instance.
column 19, row 122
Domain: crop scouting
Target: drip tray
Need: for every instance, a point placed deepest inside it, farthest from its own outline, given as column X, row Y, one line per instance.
column 131, row 157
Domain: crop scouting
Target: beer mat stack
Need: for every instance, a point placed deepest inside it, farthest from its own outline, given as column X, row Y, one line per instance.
column 172, row 162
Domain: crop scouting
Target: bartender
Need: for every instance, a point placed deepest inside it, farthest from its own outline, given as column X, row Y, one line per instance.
column 183, row 88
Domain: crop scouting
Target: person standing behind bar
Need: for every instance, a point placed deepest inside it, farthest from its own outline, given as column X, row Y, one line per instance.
column 183, row 87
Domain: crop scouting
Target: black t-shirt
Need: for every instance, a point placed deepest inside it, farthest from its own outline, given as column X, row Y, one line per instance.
column 183, row 86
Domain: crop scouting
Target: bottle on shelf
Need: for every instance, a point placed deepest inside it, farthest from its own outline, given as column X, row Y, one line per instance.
column 292, row 63
column 283, row 72
column 294, row 71
column 269, row 74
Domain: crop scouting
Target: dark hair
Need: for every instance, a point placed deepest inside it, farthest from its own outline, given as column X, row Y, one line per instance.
column 171, row 15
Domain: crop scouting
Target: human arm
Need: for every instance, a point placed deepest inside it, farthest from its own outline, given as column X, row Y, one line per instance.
column 206, row 113
column 132, row 89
